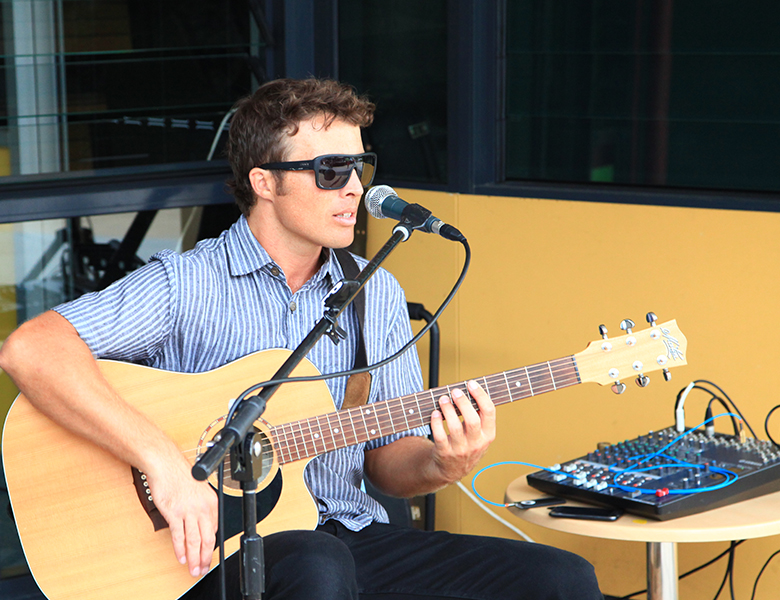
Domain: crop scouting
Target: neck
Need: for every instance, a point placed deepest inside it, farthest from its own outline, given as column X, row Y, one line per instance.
column 299, row 263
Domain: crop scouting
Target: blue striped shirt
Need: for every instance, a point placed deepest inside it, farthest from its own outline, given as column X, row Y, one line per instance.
column 225, row 299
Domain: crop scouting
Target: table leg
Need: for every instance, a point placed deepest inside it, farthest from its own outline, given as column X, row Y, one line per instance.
column 661, row 571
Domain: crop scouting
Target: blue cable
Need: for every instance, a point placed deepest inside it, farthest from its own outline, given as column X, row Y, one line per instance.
column 731, row 477
column 507, row 462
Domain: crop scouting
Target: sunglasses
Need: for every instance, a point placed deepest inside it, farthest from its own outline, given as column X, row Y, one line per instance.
column 332, row 171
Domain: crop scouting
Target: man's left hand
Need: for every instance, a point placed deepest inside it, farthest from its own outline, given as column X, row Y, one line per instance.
column 457, row 452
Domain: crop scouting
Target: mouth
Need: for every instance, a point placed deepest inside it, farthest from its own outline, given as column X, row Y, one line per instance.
column 347, row 218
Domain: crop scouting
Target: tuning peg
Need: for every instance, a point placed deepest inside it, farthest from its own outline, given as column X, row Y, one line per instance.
column 642, row 380
column 626, row 325
column 651, row 318
column 618, row 387
column 667, row 375
column 603, row 331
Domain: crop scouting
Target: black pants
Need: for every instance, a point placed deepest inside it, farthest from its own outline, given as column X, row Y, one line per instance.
column 387, row 562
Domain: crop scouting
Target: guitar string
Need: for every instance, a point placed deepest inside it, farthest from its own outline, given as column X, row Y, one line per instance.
column 392, row 407
column 393, row 416
column 394, row 410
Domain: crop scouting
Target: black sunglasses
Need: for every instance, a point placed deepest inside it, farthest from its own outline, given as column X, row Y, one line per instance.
column 332, row 171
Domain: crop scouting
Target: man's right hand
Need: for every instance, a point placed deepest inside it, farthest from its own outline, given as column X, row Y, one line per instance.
column 190, row 509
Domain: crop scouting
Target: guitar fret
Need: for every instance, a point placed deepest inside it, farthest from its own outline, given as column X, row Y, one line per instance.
column 295, row 442
column 341, row 430
column 528, row 377
column 552, row 377
column 322, row 435
column 303, row 439
column 332, row 432
column 427, row 414
column 286, row 445
column 508, row 389
column 401, row 406
column 352, row 429
column 365, row 436
column 418, row 412
column 314, row 437
column 389, row 416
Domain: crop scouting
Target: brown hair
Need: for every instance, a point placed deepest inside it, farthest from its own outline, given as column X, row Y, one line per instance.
column 265, row 119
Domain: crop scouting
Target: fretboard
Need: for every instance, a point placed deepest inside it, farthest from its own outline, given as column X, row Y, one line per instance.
column 311, row 437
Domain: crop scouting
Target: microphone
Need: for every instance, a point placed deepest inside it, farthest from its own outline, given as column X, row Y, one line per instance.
column 382, row 202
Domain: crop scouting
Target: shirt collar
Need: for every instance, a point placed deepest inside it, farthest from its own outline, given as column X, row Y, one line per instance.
column 247, row 255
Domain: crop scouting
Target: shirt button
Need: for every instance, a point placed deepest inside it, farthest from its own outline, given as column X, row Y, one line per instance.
column 275, row 271
column 293, row 306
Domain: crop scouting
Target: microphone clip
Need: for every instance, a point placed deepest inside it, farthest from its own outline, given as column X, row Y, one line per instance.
column 415, row 216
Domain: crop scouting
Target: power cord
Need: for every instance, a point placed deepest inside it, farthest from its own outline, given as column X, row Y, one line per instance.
column 761, row 572
column 766, row 426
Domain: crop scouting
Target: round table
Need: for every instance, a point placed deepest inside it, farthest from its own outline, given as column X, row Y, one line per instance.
column 758, row 517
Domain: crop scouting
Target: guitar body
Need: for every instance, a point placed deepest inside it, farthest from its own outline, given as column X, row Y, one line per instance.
column 84, row 530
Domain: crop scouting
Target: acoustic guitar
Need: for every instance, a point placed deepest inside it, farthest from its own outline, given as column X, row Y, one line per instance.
column 88, row 525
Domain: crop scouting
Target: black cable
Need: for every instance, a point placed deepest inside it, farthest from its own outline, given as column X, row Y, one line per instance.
column 766, row 426
column 727, row 576
column 761, row 572
column 725, row 406
column 221, row 530
column 731, row 402
column 732, row 558
column 377, row 365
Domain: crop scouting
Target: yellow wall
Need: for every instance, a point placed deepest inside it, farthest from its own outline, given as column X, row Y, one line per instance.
column 544, row 275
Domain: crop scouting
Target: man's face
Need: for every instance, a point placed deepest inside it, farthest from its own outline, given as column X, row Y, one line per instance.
column 308, row 217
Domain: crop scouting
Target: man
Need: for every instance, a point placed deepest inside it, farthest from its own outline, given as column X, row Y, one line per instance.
column 299, row 172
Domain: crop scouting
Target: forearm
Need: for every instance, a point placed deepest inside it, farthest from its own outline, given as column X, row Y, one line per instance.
column 405, row 468
column 415, row 465
column 56, row 372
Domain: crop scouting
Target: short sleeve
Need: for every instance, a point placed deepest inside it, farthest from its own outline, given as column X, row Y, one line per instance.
column 129, row 320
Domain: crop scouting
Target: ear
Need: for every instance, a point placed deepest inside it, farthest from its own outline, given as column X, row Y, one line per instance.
column 263, row 183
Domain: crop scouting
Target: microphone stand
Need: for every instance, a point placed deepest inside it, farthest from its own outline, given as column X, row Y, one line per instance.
column 247, row 450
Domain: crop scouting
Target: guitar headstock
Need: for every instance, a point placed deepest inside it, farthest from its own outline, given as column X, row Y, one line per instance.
column 611, row 361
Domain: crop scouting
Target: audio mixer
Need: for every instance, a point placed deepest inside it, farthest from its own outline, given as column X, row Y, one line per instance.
column 662, row 477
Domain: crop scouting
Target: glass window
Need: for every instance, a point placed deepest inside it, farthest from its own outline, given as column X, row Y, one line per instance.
column 680, row 94
column 91, row 84
column 395, row 51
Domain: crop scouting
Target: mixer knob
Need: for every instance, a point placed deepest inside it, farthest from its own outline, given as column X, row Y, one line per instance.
column 626, row 325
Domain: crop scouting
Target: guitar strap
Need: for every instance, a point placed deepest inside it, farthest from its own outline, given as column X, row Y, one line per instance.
column 358, row 385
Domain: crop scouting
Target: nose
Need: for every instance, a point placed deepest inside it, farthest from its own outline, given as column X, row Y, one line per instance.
column 354, row 185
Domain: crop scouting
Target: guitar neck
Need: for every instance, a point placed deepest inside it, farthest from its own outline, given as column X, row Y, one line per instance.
column 311, row 437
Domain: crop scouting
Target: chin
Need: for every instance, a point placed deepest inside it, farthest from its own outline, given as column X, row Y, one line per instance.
column 341, row 242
